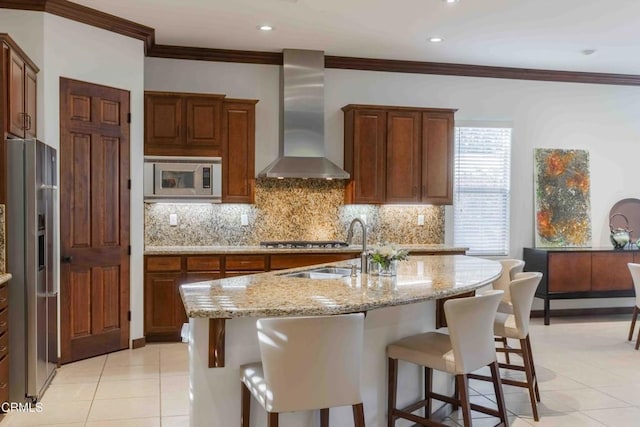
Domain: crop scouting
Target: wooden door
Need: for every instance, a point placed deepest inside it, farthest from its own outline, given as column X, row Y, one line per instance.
column 238, row 151
column 30, row 102
column 94, row 225
column 365, row 135
column 437, row 158
column 163, row 130
column 203, row 117
column 15, row 107
column 403, row 157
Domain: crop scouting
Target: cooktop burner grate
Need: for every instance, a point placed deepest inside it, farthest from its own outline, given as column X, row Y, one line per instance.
column 303, row 244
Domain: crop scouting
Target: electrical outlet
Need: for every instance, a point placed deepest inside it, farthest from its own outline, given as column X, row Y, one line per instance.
column 420, row 219
column 173, row 220
column 244, row 219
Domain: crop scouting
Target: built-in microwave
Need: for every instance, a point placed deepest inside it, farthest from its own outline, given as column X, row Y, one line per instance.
column 182, row 179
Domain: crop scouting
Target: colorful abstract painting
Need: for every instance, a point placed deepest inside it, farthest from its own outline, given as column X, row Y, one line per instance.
column 562, row 192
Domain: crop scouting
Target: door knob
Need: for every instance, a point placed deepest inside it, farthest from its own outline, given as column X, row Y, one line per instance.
column 67, row 259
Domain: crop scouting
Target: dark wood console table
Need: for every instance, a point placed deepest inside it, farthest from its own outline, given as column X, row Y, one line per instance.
column 570, row 273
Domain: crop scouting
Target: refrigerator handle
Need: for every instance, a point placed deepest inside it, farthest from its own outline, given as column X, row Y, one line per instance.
column 53, row 291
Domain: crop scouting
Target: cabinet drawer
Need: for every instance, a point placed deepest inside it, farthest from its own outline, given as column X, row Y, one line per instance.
column 4, row 379
column 244, row 262
column 168, row 263
column 4, row 344
column 4, row 296
column 4, row 320
column 240, row 273
column 203, row 263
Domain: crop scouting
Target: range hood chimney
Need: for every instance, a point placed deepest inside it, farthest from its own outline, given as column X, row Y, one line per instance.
column 302, row 153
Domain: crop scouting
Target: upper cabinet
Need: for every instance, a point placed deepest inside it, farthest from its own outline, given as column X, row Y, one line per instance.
column 200, row 125
column 21, row 87
column 183, row 124
column 398, row 154
column 238, row 150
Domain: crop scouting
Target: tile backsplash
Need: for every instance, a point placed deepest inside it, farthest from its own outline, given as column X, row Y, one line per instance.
column 290, row 209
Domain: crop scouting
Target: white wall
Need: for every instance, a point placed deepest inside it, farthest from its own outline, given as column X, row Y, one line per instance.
column 599, row 118
column 65, row 48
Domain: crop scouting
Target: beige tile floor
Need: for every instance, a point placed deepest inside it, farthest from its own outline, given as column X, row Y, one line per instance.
column 147, row 387
column 589, row 376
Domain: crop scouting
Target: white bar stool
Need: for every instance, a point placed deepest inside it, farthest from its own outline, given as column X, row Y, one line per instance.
column 516, row 326
column 468, row 347
column 510, row 267
column 307, row 363
column 635, row 275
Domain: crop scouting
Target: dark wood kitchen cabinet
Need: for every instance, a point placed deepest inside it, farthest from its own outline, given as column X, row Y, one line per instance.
column 183, row 124
column 18, row 99
column 238, row 150
column 571, row 273
column 398, row 154
column 4, row 342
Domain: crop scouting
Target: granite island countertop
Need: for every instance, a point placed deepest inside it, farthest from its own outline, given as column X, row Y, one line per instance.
column 221, row 250
column 420, row 278
column 4, row 277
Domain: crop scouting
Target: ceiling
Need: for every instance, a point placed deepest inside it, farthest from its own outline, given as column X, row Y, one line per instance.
column 542, row 34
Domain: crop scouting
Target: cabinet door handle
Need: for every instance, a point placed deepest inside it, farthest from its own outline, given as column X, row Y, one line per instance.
column 29, row 117
column 22, row 117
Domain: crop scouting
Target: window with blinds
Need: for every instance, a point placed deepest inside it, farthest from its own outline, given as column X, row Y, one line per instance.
column 481, row 191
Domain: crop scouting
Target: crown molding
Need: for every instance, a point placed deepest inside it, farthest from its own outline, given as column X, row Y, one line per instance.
column 89, row 16
column 86, row 15
column 218, row 55
column 465, row 70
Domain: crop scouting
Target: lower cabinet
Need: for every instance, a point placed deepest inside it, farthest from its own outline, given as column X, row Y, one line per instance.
column 4, row 343
column 164, row 312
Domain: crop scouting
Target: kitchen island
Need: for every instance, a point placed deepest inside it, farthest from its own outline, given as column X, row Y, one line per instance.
column 223, row 335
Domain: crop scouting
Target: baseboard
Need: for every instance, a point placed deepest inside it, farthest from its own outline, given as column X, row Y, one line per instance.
column 138, row 343
column 564, row 312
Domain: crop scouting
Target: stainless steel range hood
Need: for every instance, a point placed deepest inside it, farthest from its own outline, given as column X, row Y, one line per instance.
column 302, row 153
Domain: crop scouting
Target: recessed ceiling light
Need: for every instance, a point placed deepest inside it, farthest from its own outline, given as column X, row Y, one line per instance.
column 450, row 1
column 436, row 39
column 265, row 27
column 588, row 52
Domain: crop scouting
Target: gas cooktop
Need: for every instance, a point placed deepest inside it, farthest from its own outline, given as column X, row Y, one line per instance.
column 303, row 244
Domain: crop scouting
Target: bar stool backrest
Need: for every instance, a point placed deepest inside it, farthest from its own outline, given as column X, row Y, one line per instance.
column 635, row 275
column 470, row 322
column 311, row 362
column 510, row 267
column 523, row 289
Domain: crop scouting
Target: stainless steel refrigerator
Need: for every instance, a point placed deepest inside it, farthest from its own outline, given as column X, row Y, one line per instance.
column 31, row 259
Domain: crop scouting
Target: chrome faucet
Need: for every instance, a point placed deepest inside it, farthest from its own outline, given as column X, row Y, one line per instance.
column 364, row 257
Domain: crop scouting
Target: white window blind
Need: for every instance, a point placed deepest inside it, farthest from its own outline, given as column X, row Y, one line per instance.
column 482, row 186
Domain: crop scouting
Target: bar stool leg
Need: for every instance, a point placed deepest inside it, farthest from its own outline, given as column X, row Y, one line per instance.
column 529, row 373
column 633, row 322
column 273, row 419
column 324, row 417
column 533, row 369
column 245, row 405
column 465, row 404
column 358, row 415
column 497, row 387
column 428, row 381
column 392, row 390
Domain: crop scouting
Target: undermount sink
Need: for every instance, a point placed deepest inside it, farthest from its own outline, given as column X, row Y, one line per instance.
column 321, row 273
